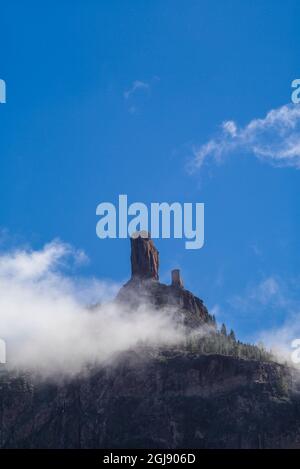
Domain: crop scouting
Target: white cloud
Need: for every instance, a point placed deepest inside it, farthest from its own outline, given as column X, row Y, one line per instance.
column 274, row 301
column 266, row 291
column 281, row 296
column 23, row 264
column 274, row 139
column 271, row 293
column 230, row 127
column 280, row 338
column 47, row 324
column 136, row 85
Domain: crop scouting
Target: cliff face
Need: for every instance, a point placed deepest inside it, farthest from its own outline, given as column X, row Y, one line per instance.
column 144, row 257
column 153, row 397
column 168, row 400
column 144, row 287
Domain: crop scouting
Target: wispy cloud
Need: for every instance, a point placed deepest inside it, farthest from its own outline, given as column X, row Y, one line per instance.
column 136, row 85
column 139, row 92
column 274, row 139
column 275, row 303
column 271, row 293
column 23, row 264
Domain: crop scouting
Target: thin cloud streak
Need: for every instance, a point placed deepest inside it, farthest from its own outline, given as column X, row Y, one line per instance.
column 274, row 139
column 136, row 85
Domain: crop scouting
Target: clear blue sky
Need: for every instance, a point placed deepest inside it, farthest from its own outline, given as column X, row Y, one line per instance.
column 70, row 139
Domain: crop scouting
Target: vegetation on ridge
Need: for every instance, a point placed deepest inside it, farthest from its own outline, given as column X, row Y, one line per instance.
column 220, row 342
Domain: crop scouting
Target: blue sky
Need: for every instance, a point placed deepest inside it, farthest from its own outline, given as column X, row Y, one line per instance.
column 107, row 98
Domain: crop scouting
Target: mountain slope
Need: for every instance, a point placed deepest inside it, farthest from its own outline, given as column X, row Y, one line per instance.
column 183, row 396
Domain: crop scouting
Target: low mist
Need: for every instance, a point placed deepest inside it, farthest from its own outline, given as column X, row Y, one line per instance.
column 46, row 319
column 284, row 340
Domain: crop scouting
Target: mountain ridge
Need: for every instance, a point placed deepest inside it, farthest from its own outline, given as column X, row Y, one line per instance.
column 182, row 395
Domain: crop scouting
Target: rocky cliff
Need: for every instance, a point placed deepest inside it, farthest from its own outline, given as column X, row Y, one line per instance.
column 169, row 399
column 145, row 288
column 180, row 397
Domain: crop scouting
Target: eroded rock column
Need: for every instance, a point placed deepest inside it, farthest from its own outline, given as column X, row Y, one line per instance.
column 144, row 257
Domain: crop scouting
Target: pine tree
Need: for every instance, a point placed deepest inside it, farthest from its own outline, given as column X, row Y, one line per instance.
column 223, row 330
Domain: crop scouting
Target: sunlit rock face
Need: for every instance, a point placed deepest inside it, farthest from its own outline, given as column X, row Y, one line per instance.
column 144, row 286
column 177, row 281
column 144, row 257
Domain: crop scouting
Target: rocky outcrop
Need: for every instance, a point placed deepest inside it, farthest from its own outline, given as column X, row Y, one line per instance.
column 144, row 257
column 144, row 288
column 176, row 279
